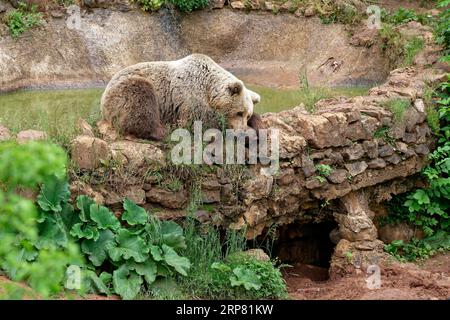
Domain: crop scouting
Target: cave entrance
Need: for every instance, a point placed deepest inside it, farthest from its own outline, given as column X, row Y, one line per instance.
column 306, row 247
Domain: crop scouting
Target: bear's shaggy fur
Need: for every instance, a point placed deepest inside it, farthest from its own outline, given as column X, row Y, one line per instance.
column 142, row 99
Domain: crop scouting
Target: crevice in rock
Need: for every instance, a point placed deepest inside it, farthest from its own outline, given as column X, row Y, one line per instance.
column 306, row 244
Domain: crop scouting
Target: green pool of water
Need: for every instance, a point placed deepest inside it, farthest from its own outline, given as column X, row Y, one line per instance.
column 275, row 100
column 57, row 111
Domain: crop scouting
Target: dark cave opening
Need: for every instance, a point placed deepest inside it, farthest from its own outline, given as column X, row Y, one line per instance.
column 305, row 244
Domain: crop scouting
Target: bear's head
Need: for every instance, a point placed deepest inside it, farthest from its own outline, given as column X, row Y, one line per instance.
column 235, row 101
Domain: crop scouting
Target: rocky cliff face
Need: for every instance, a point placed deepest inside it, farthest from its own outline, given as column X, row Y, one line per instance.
column 372, row 154
column 259, row 47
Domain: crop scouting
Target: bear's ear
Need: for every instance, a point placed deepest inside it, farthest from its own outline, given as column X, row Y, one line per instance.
column 235, row 88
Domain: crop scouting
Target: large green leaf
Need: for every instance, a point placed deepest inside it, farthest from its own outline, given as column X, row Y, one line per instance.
column 51, row 233
column 245, row 277
column 103, row 217
column 180, row 264
column 148, row 269
column 172, row 235
column 53, row 193
column 68, row 216
column 97, row 251
column 134, row 214
column 84, row 204
column 93, row 283
column 126, row 283
column 129, row 246
column 156, row 253
column 84, row 231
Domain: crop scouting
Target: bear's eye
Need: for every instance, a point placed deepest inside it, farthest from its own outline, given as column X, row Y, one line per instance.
column 240, row 114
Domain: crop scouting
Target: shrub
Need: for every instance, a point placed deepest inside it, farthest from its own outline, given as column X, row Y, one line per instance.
column 411, row 48
column 125, row 254
column 182, row 5
column 442, row 30
column 150, row 5
column 24, row 254
column 246, row 277
column 399, row 50
column 221, row 271
column 429, row 208
column 189, row 5
column 397, row 107
column 22, row 19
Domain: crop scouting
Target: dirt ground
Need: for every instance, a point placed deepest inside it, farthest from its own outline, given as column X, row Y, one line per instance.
column 399, row 281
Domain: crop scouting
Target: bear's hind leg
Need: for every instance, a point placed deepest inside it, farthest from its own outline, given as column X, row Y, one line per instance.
column 139, row 115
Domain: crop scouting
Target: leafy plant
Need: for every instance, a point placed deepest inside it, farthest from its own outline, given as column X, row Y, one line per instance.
column 22, row 19
column 384, row 133
column 324, row 170
column 150, row 5
column 26, row 251
column 429, row 207
column 248, row 277
column 189, row 5
column 139, row 248
column 411, row 48
column 397, row 107
column 442, row 29
column 399, row 49
column 419, row 249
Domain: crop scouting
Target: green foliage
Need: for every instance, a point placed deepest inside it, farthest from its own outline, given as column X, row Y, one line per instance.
column 22, row 19
column 402, row 15
column 397, row 107
column 411, row 48
column 182, row 5
column 150, row 5
column 429, row 207
column 324, row 169
column 384, row 133
column 400, row 50
column 65, row 2
column 221, row 271
column 29, row 243
column 338, row 12
column 189, row 5
column 419, row 249
column 249, row 278
column 442, row 29
column 139, row 253
column 30, row 164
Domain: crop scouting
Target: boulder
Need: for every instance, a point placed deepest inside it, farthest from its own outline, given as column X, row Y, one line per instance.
column 31, row 135
column 399, row 231
column 167, row 199
column 136, row 155
column 377, row 164
column 210, row 190
column 310, row 11
column 371, row 148
column 85, row 128
column 255, row 214
column 356, row 168
column 5, row 134
column 258, row 254
column 355, row 152
column 386, row 151
column 89, row 153
column 135, row 194
column 216, row 4
column 257, row 188
column 237, row 5
column 338, row 176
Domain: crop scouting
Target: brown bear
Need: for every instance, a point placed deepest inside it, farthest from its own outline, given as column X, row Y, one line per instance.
column 142, row 99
